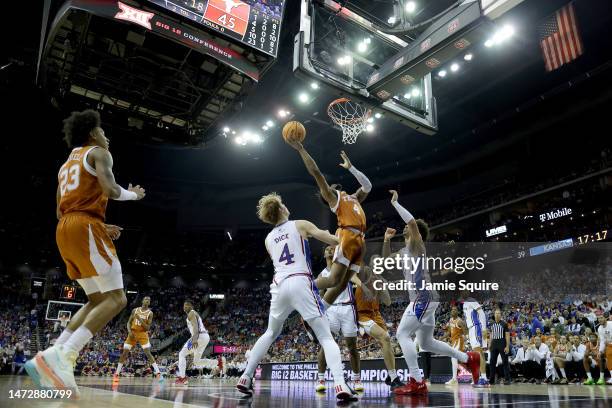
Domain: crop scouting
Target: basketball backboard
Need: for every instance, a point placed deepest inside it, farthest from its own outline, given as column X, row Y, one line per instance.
column 371, row 52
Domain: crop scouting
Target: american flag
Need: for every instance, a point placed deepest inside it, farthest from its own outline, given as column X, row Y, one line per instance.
column 560, row 39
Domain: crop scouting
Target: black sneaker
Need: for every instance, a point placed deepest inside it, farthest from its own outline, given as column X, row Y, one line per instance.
column 309, row 332
column 396, row 384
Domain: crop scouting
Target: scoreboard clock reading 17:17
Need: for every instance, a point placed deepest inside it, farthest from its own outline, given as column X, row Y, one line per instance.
column 255, row 23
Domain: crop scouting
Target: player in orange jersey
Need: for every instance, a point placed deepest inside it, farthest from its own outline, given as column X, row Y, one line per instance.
column 138, row 326
column 367, row 301
column 457, row 330
column 351, row 224
column 85, row 242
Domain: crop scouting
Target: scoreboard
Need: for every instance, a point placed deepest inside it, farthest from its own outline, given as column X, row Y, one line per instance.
column 255, row 23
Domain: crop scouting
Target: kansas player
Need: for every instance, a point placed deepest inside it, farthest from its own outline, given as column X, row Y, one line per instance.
column 292, row 289
column 476, row 322
column 85, row 242
column 342, row 317
column 351, row 224
column 195, row 345
column 419, row 317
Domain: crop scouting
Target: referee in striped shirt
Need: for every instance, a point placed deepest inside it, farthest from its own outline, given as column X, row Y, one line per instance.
column 499, row 344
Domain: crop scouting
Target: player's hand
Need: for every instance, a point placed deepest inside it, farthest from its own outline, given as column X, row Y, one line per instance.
column 506, row 350
column 140, row 192
column 113, row 231
column 346, row 162
column 296, row 144
column 393, row 196
column 389, row 233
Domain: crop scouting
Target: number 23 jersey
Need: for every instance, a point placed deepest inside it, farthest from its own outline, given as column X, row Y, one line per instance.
column 289, row 251
column 79, row 187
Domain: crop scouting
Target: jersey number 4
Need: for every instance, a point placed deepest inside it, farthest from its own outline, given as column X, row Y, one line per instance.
column 69, row 178
column 286, row 256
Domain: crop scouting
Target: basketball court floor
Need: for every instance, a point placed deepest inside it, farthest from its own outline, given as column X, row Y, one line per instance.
column 138, row 393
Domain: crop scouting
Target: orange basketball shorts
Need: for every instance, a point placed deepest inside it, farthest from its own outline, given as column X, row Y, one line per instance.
column 368, row 318
column 351, row 250
column 137, row 337
column 88, row 252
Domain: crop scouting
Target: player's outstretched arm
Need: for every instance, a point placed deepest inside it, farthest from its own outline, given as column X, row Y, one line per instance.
column 366, row 186
column 307, row 229
column 386, row 249
column 417, row 241
column 103, row 163
column 328, row 194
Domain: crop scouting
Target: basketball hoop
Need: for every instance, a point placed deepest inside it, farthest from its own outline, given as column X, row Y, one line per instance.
column 351, row 117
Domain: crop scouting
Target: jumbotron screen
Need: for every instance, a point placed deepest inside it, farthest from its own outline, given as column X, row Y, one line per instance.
column 255, row 23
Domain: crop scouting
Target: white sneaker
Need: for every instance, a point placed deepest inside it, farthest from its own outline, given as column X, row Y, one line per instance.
column 609, row 382
column 320, row 386
column 245, row 385
column 452, row 381
column 56, row 366
column 344, row 393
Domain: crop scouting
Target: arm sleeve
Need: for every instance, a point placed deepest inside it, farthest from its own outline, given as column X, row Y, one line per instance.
column 404, row 213
column 366, row 185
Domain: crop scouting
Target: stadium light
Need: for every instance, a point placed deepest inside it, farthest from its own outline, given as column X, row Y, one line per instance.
column 314, row 85
column 442, row 73
column 407, row 96
column 416, row 92
column 362, row 47
column 500, row 36
column 345, row 60
column 468, row 57
column 239, row 141
column 370, row 120
column 264, row 127
column 269, row 124
column 378, row 115
column 226, row 129
column 369, row 128
column 303, row 97
column 454, row 67
column 411, row 7
column 283, row 113
column 391, row 20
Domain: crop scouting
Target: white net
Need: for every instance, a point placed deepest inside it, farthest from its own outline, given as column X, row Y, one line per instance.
column 350, row 116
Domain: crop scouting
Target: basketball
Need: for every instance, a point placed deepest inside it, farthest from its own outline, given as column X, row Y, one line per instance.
column 294, row 131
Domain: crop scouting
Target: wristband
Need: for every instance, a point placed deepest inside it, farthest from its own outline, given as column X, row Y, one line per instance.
column 126, row 195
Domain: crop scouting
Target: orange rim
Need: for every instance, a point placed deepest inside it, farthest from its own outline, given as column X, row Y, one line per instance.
column 341, row 121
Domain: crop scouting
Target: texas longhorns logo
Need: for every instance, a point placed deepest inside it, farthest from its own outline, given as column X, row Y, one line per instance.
column 134, row 15
column 231, row 4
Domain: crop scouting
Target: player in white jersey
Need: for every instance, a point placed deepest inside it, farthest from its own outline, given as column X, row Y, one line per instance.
column 604, row 332
column 195, row 345
column 476, row 322
column 419, row 318
column 342, row 317
column 292, row 289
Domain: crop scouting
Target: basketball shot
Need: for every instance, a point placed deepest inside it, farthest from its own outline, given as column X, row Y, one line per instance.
column 292, row 289
column 196, row 344
column 138, row 326
column 348, row 256
column 85, row 242
column 419, row 317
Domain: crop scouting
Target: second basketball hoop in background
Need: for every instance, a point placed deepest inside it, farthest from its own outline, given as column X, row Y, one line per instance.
column 352, row 118
column 294, row 131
